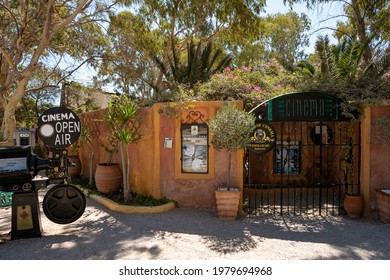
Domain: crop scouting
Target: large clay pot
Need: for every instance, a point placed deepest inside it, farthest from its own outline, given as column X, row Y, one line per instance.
column 108, row 178
column 383, row 198
column 354, row 205
column 227, row 203
column 74, row 169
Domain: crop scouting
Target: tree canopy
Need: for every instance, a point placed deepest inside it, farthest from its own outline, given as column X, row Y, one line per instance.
column 40, row 35
column 149, row 49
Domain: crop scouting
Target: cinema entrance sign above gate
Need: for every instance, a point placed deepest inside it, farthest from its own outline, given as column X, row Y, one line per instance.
column 304, row 106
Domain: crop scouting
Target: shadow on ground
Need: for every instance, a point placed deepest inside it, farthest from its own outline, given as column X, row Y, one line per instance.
column 198, row 234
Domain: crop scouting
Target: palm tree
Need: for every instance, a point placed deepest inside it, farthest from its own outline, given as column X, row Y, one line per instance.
column 200, row 65
column 343, row 64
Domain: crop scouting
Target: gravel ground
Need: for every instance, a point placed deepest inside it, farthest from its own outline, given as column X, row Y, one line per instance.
column 197, row 234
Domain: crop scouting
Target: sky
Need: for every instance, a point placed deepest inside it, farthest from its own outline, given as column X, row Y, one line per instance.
column 320, row 17
column 323, row 15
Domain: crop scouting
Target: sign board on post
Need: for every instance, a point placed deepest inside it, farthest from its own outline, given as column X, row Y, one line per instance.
column 263, row 138
column 59, row 127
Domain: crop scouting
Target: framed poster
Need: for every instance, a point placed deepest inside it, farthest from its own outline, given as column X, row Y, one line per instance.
column 287, row 158
column 194, row 148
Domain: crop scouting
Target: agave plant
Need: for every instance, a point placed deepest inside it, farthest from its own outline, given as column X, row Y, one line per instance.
column 201, row 63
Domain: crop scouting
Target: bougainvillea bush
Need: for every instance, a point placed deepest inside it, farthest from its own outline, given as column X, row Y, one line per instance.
column 253, row 86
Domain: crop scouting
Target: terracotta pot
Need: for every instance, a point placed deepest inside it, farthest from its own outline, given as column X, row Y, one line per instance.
column 354, row 206
column 74, row 169
column 383, row 199
column 227, row 203
column 108, row 178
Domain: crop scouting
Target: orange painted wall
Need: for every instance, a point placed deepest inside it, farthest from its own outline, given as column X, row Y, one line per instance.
column 155, row 170
column 375, row 157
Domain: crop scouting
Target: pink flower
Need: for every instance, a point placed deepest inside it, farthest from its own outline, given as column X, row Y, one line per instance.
column 279, row 86
column 264, row 92
column 227, row 69
column 256, row 89
column 230, row 75
column 258, row 97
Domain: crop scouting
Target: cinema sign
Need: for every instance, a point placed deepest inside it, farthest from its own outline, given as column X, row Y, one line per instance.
column 304, row 106
column 59, row 127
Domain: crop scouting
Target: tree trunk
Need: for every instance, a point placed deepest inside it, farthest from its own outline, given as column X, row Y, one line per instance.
column 9, row 122
column 229, row 169
column 361, row 29
column 125, row 171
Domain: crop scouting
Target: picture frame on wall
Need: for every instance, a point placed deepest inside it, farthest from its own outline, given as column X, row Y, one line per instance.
column 194, row 149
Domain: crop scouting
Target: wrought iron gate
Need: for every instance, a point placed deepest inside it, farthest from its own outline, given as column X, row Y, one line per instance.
column 310, row 169
column 307, row 172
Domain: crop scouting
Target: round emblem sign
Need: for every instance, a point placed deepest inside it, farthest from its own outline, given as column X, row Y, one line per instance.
column 59, row 127
column 263, row 138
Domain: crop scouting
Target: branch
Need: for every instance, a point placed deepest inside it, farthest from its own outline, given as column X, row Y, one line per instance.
column 75, row 69
column 7, row 57
column 83, row 5
column 331, row 28
column 12, row 15
column 40, row 88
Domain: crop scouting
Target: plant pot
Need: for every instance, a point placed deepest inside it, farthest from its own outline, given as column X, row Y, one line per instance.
column 74, row 169
column 383, row 199
column 227, row 203
column 354, row 206
column 108, row 178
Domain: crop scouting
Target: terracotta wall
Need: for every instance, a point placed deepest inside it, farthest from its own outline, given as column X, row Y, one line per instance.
column 156, row 170
column 375, row 156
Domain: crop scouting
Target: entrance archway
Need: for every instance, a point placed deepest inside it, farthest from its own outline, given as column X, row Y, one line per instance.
column 314, row 162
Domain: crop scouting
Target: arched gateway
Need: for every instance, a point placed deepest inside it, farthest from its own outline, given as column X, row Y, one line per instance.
column 304, row 156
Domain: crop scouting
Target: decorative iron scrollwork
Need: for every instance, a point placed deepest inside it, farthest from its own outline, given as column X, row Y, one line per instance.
column 194, row 117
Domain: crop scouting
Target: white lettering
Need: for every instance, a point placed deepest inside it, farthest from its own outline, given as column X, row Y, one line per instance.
column 67, row 127
column 58, row 117
column 62, row 139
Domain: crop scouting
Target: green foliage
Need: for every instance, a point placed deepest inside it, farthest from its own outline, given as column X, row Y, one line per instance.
column 140, row 200
column 156, row 28
column 253, row 86
column 285, row 36
column 35, row 39
column 201, row 63
column 231, row 128
column 123, row 119
column 137, row 199
column 343, row 71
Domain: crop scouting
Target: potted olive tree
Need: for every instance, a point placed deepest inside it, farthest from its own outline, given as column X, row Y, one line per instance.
column 123, row 119
column 230, row 129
